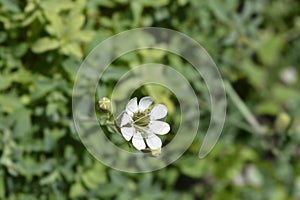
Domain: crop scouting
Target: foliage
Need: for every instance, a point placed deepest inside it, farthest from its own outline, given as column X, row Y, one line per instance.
column 254, row 43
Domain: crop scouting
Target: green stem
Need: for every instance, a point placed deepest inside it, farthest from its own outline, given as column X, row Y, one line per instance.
column 242, row 107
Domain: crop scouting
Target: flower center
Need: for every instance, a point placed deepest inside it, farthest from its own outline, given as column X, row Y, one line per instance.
column 141, row 119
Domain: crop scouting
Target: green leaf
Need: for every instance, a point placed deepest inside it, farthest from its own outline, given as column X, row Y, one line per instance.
column 285, row 94
column 72, row 49
column 20, row 49
column 217, row 8
column 75, row 23
column 22, row 123
column 77, row 190
column 255, row 74
column 108, row 190
column 85, row 35
column 113, row 73
column 270, row 47
column 57, row 5
column 137, row 9
column 192, row 167
column 94, row 176
column 10, row 5
column 49, row 179
column 45, row 44
column 31, row 18
column 267, row 107
column 56, row 26
column 22, row 76
column 3, row 36
column 71, row 66
column 2, row 185
column 5, row 82
column 10, row 103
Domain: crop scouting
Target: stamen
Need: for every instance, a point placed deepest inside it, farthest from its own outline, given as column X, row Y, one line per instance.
column 147, row 131
column 141, row 118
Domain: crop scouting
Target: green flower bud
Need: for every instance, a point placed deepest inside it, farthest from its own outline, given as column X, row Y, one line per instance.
column 282, row 122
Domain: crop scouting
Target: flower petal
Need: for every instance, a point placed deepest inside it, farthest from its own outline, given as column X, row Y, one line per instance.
column 153, row 141
column 127, row 132
column 138, row 141
column 158, row 112
column 126, row 119
column 144, row 103
column 119, row 118
column 132, row 106
column 159, row 127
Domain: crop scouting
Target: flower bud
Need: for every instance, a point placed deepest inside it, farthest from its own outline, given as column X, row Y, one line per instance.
column 104, row 104
column 282, row 122
column 154, row 152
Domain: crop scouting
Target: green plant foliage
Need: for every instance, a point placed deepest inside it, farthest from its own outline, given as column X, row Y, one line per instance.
column 256, row 46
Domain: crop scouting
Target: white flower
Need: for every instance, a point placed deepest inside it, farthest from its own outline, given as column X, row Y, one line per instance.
column 139, row 122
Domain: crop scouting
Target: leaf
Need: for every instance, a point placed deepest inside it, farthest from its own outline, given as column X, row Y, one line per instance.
column 71, row 66
column 137, row 9
column 285, row 94
column 75, row 23
column 72, row 49
column 11, row 102
column 45, row 44
column 77, row 190
column 192, row 167
column 108, row 190
column 267, row 107
column 49, row 179
column 20, row 49
column 85, row 35
column 31, row 18
column 22, row 76
column 42, row 86
column 270, row 47
column 172, row 175
column 255, row 74
column 146, row 182
column 113, row 73
column 218, row 9
column 11, row 6
column 118, row 178
column 56, row 26
column 297, row 186
column 95, row 176
column 2, row 185
column 22, row 126
column 154, row 3
column 3, row 36
column 56, row 5
column 5, row 82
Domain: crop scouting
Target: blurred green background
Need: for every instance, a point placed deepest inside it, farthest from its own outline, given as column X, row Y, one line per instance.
column 256, row 46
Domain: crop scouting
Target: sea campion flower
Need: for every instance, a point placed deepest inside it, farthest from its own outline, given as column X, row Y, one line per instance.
column 143, row 122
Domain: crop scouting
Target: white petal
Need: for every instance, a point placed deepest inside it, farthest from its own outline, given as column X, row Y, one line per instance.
column 158, row 112
column 132, row 106
column 119, row 118
column 144, row 103
column 159, row 127
column 153, row 142
column 138, row 141
column 127, row 132
column 126, row 119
